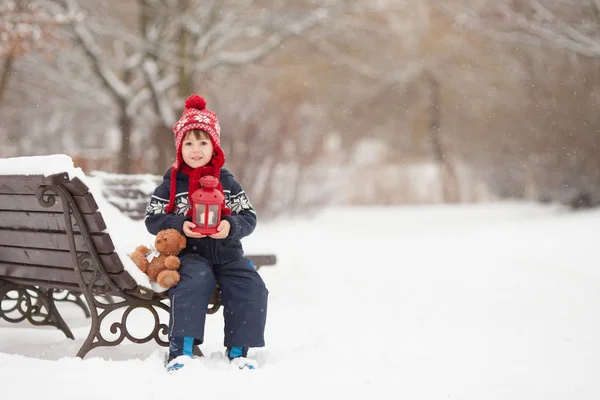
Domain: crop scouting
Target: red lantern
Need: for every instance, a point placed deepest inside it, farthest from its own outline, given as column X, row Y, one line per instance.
column 206, row 203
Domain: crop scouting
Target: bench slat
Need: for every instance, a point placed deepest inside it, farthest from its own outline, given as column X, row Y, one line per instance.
column 76, row 187
column 62, row 275
column 44, row 284
column 28, row 184
column 53, row 241
column 262, row 259
column 48, row 221
column 53, row 285
column 54, row 258
column 21, row 202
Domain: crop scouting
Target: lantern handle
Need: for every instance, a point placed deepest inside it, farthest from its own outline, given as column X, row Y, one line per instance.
column 208, row 182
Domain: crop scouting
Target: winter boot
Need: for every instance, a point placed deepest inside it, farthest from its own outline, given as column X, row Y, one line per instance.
column 238, row 356
column 181, row 349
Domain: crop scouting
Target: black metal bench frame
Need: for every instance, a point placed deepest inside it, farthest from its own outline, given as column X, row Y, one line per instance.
column 34, row 299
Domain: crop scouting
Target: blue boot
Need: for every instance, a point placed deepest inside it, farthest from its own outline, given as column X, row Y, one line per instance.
column 180, row 349
column 238, row 356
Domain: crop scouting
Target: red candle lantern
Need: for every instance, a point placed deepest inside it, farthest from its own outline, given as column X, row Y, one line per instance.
column 206, row 203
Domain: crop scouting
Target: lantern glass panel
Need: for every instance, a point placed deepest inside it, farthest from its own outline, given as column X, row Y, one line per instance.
column 199, row 210
column 213, row 216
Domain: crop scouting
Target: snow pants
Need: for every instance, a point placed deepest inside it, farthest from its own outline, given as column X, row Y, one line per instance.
column 243, row 294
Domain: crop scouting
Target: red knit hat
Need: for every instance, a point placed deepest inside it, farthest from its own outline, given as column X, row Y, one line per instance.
column 195, row 116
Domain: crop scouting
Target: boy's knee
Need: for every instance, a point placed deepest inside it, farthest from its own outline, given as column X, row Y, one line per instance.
column 258, row 289
column 195, row 276
column 250, row 290
column 202, row 281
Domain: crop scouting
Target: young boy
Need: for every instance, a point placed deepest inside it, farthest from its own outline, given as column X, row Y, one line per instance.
column 208, row 260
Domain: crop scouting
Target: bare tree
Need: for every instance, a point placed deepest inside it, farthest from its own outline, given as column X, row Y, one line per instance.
column 25, row 25
column 559, row 47
column 221, row 35
column 178, row 44
column 569, row 25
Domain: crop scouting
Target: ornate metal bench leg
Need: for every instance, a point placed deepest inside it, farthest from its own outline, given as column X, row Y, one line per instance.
column 101, row 306
column 71, row 297
column 94, row 283
column 32, row 304
column 55, row 317
column 100, row 311
column 82, row 304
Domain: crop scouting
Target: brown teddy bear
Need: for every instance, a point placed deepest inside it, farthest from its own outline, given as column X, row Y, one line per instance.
column 161, row 265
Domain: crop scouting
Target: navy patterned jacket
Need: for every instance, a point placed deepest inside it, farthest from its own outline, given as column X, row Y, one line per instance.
column 218, row 251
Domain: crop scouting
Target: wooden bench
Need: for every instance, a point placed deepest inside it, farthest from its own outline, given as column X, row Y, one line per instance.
column 54, row 247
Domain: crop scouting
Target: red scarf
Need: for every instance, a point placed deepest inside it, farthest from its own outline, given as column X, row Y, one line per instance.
column 194, row 175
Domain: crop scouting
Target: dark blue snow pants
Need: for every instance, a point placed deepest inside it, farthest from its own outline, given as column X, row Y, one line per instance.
column 243, row 294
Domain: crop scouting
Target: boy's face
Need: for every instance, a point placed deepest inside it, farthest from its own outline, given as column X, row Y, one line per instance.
column 196, row 150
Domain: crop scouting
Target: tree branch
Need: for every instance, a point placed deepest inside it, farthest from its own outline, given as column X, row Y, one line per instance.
column 111, row 81
column 161, row 102
column 285, row 30
column 570, row 30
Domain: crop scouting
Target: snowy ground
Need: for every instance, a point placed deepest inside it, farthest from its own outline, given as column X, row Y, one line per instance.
column 435, row 302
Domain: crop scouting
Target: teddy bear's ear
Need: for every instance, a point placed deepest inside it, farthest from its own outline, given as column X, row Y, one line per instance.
column 171, row 232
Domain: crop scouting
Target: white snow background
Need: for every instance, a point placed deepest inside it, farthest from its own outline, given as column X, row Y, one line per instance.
column 486, row 301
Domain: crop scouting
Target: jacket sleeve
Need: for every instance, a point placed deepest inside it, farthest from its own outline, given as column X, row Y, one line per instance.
column 157, row 218
column 243, row 216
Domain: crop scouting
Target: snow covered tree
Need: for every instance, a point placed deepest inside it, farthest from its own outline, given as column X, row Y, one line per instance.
column 549, row 152
column 25, row 25
column 567, row 25
column 175, row 45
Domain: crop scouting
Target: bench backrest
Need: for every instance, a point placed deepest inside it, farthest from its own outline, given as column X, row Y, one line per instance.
column 128, row 192
column 34, row 234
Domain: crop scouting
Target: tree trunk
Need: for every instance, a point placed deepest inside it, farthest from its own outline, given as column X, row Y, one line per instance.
column 5, row 74
column 162, row 138
column 126, row 126
column 9, row 61
column 448, row 177
column 166, row 148
column 185, row 74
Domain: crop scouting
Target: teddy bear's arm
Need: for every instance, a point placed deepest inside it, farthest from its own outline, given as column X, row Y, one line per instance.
column 143, row 249
column 139, row 259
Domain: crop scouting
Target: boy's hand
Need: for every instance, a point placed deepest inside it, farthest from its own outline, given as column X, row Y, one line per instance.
column 223, row 230
column 187, row 229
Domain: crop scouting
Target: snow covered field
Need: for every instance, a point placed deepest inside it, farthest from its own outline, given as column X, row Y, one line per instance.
column 474, row 302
